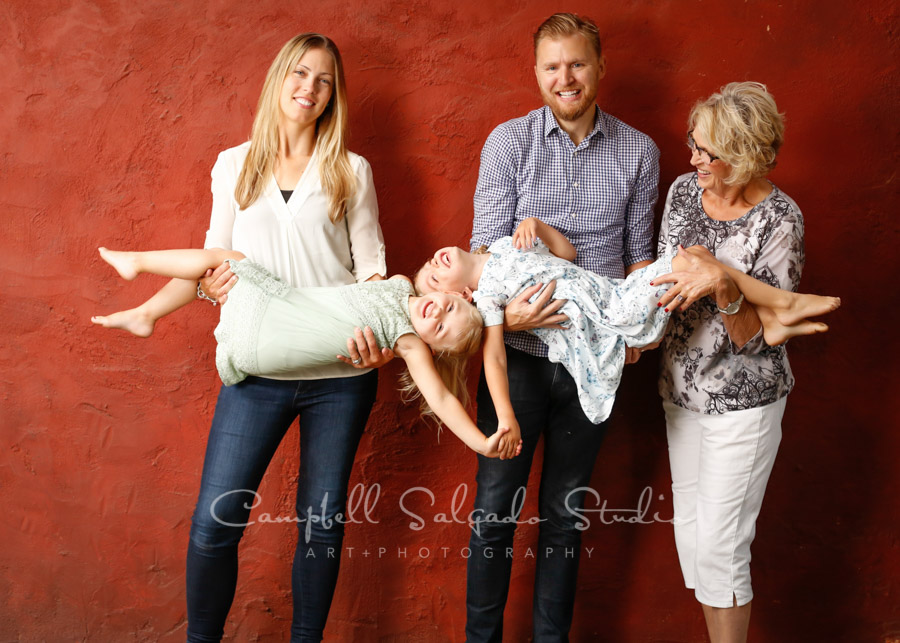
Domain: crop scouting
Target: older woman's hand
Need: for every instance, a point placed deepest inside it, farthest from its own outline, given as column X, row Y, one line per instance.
column 216, row 283
column 700, row 274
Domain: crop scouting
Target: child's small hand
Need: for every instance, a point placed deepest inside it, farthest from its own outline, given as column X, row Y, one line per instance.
column 492, row 443
column 511, row 443
column 494, row 450
column 509, row 447
column 527, row 233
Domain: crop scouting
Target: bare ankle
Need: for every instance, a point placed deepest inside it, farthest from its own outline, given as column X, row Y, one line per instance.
column 136, row 321
column 125, row 263
column 802, row 306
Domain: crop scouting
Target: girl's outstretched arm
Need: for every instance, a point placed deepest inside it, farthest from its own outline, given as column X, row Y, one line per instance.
column 185, row 265
column 498, row 384
column 532, row 228
column 418, row 359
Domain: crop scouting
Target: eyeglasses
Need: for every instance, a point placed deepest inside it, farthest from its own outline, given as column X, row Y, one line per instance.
column 691, row 143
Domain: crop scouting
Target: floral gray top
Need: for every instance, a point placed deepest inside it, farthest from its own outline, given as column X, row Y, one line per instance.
column 701, row 369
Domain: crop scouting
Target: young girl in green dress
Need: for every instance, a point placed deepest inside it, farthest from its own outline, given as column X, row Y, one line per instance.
column 269, row 329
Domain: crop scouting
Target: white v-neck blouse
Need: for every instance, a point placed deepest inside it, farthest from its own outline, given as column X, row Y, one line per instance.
column 296, row 240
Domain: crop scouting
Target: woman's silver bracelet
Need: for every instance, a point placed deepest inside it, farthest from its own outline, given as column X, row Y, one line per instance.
column 203, row 295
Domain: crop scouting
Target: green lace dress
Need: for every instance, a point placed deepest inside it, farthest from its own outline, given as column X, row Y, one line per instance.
column 270, row 329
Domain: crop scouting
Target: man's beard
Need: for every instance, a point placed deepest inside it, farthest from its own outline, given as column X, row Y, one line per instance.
column 570, row 111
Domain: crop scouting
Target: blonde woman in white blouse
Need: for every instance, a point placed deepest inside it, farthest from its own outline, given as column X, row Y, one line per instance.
column 296, row 201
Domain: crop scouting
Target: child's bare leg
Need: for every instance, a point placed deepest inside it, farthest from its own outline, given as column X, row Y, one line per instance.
column 141, row 320
column 776, row 333
column 182, row 264
column 791, row 308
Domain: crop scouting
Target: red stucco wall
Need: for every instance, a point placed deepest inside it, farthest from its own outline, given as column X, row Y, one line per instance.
column 111, row 115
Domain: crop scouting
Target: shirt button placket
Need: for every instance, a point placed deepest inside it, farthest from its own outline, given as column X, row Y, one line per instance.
column 574, row 183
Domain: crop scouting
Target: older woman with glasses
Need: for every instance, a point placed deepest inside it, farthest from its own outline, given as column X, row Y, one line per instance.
column 723, row 388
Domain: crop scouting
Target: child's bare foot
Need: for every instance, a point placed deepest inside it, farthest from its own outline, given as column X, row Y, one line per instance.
column 776, row 334
column 133, row 320
column 123, row 262
column 803, row 306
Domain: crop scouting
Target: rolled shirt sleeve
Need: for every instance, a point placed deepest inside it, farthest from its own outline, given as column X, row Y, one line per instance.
column 638, row 232
column 224, row 206
column 366, row 239
column 495, row 195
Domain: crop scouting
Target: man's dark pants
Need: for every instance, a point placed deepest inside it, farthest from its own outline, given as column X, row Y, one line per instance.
column 545, row 401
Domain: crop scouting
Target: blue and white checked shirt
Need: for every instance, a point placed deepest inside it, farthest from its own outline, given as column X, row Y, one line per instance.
column 600, row 194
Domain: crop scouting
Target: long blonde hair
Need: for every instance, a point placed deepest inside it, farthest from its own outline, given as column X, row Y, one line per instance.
column 450, row 365
column 335, row 171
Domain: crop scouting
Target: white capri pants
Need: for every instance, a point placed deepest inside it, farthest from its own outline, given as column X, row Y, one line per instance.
column 720, row 467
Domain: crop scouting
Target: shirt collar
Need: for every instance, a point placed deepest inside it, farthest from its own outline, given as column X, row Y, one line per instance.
column 550, row 123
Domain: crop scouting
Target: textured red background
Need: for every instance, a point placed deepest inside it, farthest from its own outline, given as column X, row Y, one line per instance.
column 111, row 116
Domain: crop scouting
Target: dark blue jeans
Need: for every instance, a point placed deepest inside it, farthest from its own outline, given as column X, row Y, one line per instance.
column 545, row 400
column 251, row 419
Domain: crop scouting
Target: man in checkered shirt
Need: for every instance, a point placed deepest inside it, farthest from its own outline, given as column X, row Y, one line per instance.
column 595, row 179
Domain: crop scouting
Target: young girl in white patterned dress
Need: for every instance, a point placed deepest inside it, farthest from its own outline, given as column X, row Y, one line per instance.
column 605, row 314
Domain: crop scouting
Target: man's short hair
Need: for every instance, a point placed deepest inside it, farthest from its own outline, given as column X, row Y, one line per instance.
column 561, row 25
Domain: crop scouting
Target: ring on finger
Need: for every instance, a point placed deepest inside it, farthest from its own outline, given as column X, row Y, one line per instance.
column 679, row 297
column 358, row 360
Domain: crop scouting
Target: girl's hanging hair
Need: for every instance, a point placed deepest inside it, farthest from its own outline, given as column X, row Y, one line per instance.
column 450, row 365
column 335, row 171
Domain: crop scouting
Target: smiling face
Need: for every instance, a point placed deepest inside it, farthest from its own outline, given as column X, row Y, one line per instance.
column 307, row 88
column 710, row 175
column 568, row 72
column 446, row 272
column 441, row 320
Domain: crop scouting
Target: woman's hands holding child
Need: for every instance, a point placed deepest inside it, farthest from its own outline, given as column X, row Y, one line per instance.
column 364, row 352
column 216, row 283
column 703, row 276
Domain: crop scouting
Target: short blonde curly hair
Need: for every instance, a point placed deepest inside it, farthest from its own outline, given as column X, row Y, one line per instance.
column 742, row 126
